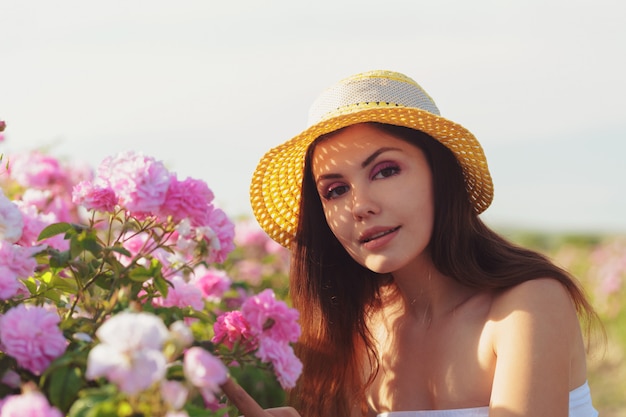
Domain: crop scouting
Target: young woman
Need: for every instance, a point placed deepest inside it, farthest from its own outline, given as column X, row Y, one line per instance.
column 410, row 305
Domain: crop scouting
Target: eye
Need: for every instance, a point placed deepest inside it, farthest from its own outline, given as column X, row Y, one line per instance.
column 385, row 169
column 334, row 190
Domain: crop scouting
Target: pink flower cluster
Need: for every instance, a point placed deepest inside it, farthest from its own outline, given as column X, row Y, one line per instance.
column 131, row 355
column 168, row 227
column 269, row 326
column 28, row 334
column 32, row 336
column 231, row 329
column 205, row 372
column 144, row 187
column 213, row 283
column 41, row 188
column 11, row 220
column 181, row 294
column 39, row 171
column 130, row 351
column 16, row 262
column 206, row 284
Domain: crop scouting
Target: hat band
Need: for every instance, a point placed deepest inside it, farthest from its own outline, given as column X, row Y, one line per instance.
column 370, row 92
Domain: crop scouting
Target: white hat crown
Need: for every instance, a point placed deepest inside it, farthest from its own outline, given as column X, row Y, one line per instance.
column 371, row 89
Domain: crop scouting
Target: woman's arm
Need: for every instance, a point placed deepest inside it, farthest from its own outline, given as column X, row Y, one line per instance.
column 248, row 407
column 536, row 340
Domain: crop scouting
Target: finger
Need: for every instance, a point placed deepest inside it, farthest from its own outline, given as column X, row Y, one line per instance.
column 283, row 412
column 246, row 405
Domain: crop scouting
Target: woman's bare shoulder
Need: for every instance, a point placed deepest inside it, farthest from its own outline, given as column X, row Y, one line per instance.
column 539, row 306
column 541, row 296
column 537, row 342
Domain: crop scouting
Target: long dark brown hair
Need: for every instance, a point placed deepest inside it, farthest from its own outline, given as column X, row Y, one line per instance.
column 335, row 295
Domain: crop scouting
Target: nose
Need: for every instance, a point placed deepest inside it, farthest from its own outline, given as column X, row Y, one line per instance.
column 363, row 204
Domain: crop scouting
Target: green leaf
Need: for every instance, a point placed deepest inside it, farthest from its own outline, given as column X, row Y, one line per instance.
column 59, row 259
column 82, row 270
column 140, row 274
column 31, row 285
column 64, row 385
column 53, row 295
column 54, row 229
column 76, row 247
column 121, row 250
column 104, row 280
column 90, row 243
column 97, row 402
column 162, row 285
column 176, row 372
column 54, row 281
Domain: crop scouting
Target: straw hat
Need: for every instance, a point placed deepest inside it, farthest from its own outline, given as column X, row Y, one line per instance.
column 375, row 96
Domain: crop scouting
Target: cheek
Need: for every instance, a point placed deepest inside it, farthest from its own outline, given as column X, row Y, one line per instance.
column 338, row 221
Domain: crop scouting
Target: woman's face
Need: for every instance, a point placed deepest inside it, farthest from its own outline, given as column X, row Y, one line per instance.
column 376, row 191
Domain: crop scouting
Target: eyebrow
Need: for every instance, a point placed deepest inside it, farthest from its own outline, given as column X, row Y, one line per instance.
column 375, row 155
column 364, row 164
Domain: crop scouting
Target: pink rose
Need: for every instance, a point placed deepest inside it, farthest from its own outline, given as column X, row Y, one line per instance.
column 188, row 199
column 174, row 393
column 212, row 282
column 11, row 220
column 37, row 170
column 9, row 285
column 183, row 294
column 204, row 371
column 49, row 202
column 32, row 336
column 140, row 182
column 269, row 317
column 94, row 197
column 19, row 259
column 286, row 365
column 231, row 328
column 34, row 223
column 223, row 234
column 28, row 404
column 129, row 353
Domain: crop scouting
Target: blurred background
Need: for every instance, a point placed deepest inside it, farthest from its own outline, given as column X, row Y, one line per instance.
column 209, row 86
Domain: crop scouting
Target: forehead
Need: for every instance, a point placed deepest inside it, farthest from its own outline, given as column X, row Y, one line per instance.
column 353, row 144
column 356, row 137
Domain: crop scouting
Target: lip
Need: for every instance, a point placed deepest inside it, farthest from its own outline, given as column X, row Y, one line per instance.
column 376, row 234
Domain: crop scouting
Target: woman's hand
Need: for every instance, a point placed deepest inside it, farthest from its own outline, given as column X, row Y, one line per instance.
column 283, row 412
column 248, row 407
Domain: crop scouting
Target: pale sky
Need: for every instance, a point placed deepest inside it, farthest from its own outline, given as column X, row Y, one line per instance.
column 209, row 86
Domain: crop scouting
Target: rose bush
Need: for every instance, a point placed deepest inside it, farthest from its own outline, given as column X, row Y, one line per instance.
column 123, row 294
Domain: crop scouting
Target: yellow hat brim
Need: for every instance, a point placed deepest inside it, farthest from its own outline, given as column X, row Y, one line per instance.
column 276, row 184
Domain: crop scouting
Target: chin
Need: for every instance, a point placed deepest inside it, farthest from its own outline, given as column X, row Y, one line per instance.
column 380, row 266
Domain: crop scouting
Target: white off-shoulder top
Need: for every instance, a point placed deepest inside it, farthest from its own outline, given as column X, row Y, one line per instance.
column 579, row 406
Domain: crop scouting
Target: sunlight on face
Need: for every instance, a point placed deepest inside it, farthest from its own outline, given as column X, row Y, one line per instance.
column 376, row 191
